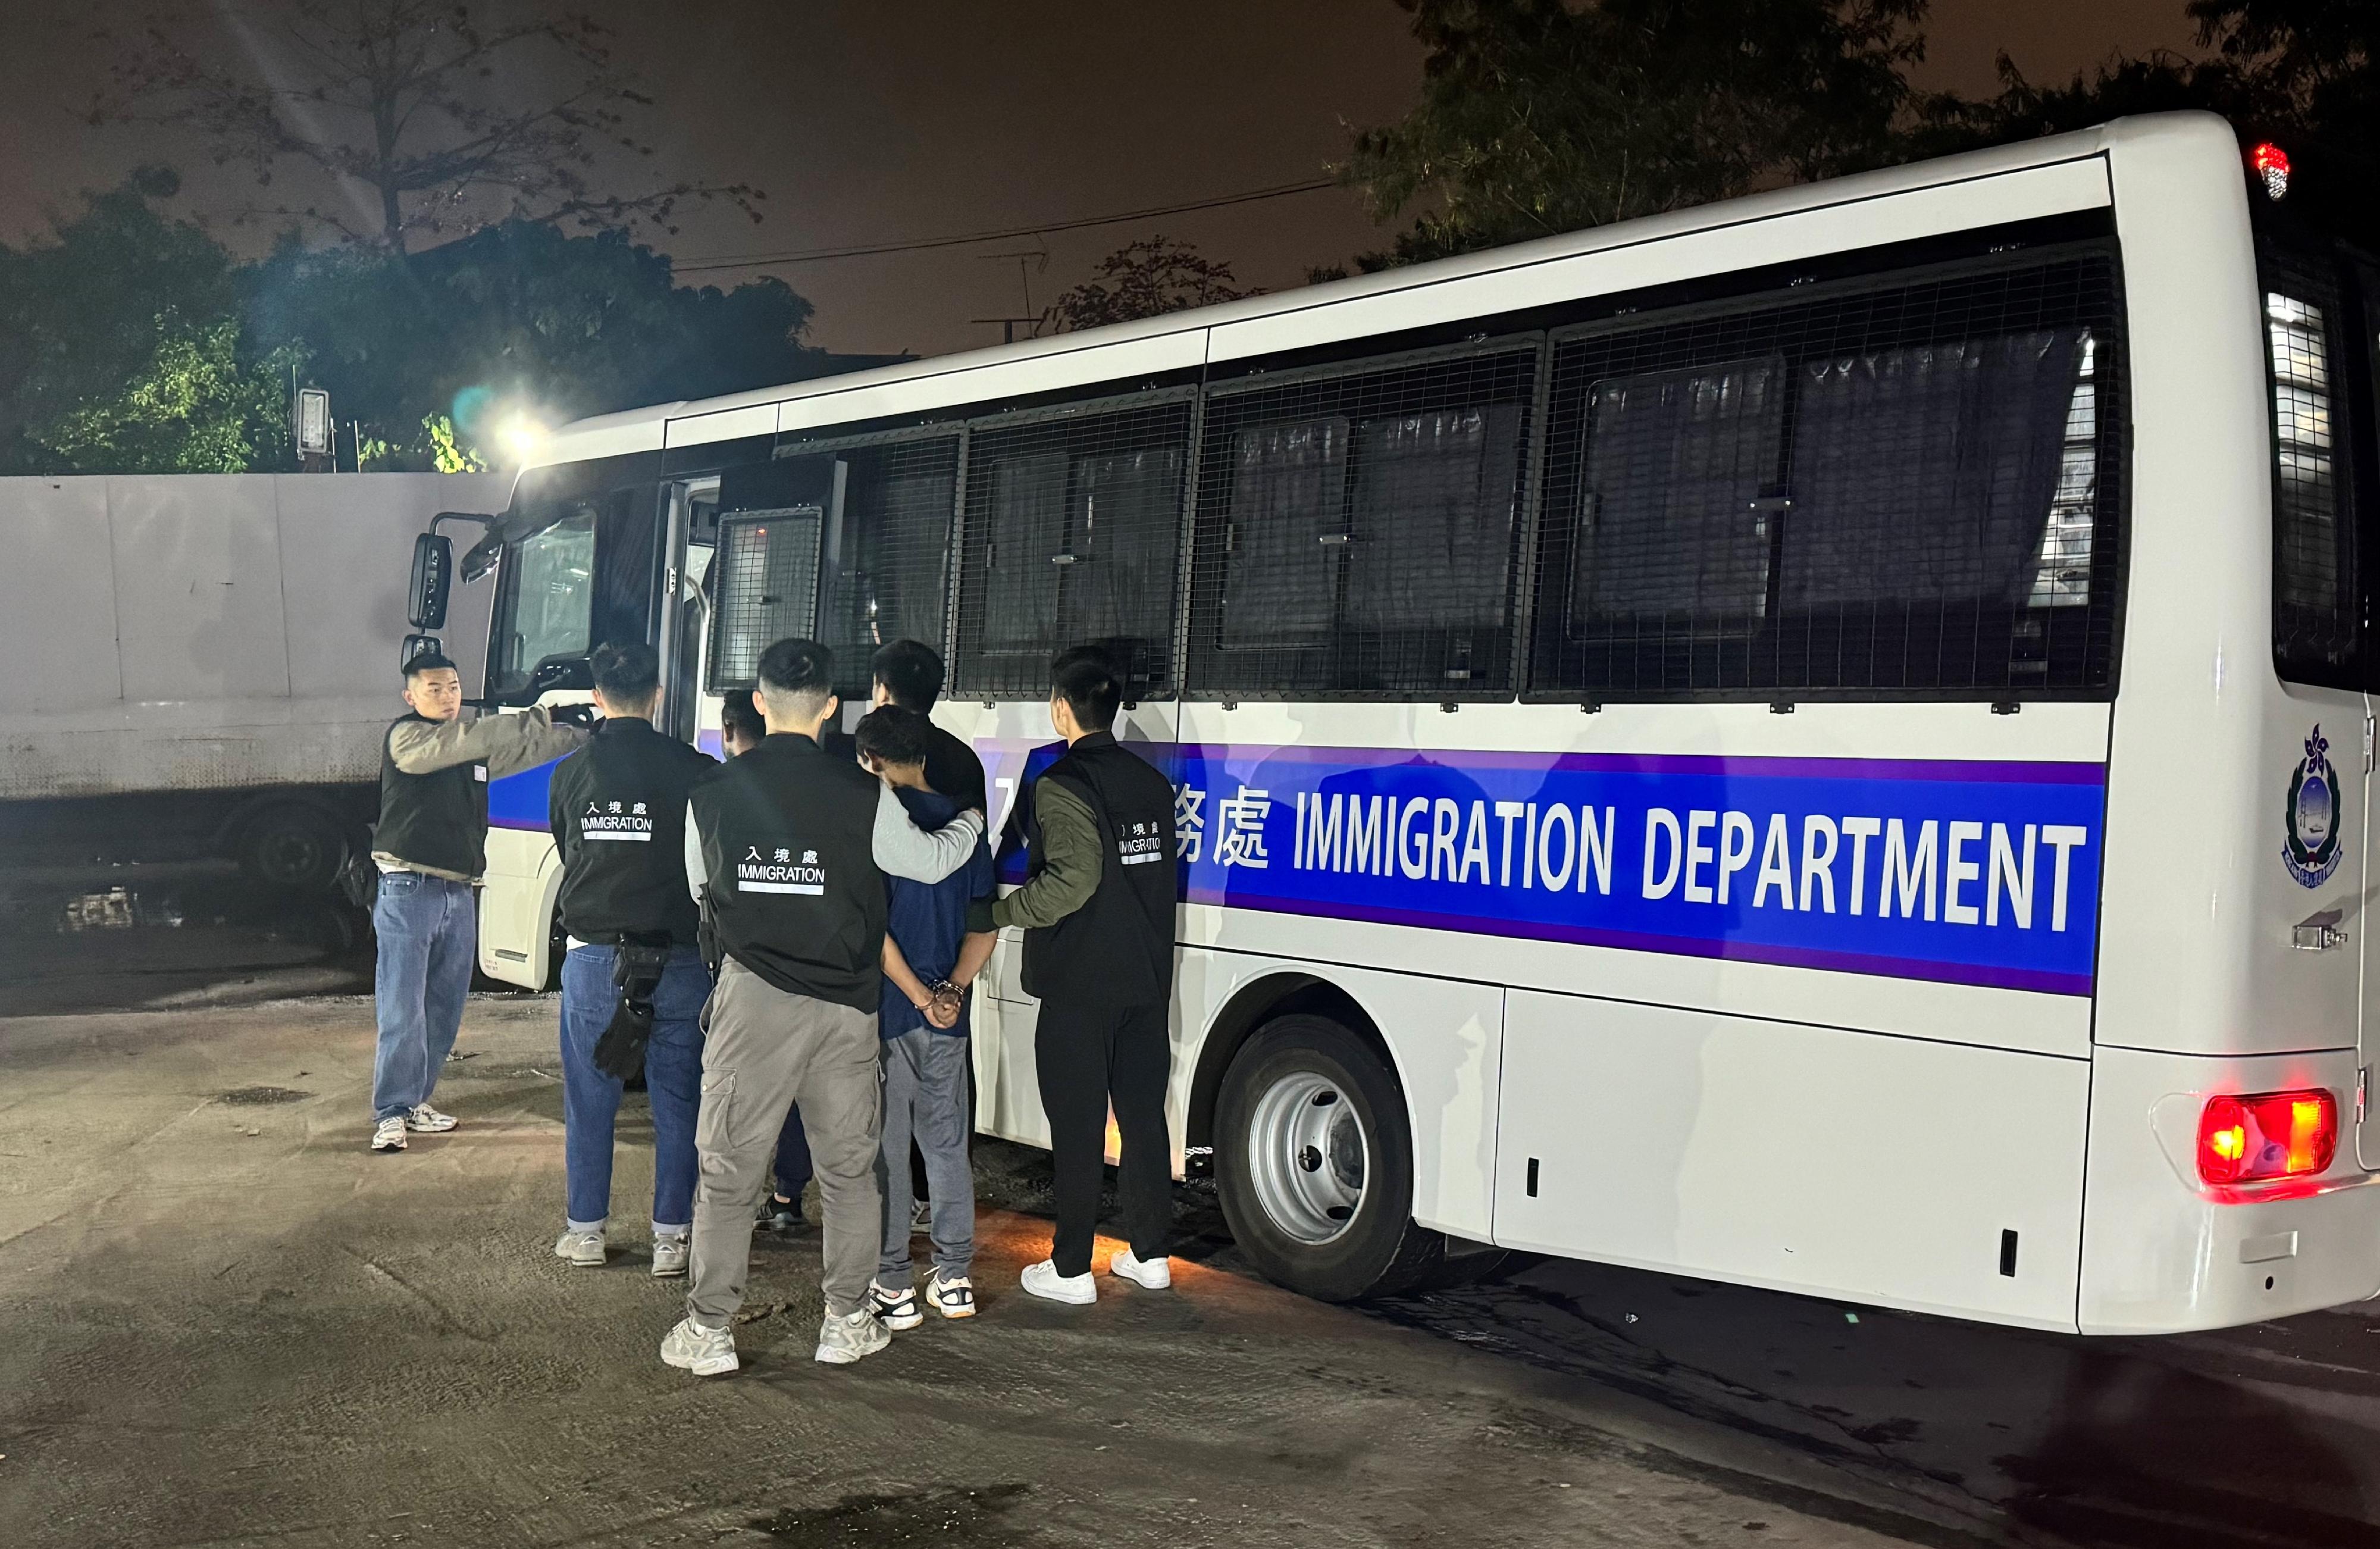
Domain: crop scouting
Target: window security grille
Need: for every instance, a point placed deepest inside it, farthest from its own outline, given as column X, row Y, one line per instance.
column 1356, row 533
column 2317, row 589
column 888, row 560
column 765, row 589
column 1070, row 538
column 1903, row 489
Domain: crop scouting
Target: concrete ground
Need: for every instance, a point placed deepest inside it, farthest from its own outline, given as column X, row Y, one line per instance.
column 223, row 1323
column 213, row 1336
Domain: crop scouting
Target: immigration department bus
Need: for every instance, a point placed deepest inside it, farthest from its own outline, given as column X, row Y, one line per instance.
column 1820, row 742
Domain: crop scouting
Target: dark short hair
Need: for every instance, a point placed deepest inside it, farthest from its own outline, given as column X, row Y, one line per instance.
column 792, row 665
column 428, row 661
column 892, row 734
column 628, row 674
column 740, row 717
column 1084, row 677
column 911, row 672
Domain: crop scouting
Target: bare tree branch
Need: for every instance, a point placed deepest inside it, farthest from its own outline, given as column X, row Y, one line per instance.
column 417, row 105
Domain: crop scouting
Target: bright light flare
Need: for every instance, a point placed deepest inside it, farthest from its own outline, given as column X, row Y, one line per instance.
column 521, row 435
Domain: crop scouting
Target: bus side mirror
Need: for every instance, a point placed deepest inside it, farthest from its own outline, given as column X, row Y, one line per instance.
column 434, row 569
column 480, row 558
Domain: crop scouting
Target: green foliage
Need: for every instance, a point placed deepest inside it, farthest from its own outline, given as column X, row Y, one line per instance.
column 116, row 303
column 1146, row 279
column 1540, row 117
column 516, row 316
column 449, row 457
column 129, row 343
column 194, row 406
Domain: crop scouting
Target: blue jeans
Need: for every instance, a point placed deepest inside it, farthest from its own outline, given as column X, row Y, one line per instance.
column 429, row 933
column 590, row 1100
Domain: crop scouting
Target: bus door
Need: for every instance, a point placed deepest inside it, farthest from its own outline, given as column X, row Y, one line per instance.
column 683, row 629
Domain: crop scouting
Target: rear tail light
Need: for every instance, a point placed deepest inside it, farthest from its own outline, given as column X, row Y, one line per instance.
column 2267, row 1135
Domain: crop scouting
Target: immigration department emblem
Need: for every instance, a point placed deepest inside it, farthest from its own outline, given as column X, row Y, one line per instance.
column 2311, row 851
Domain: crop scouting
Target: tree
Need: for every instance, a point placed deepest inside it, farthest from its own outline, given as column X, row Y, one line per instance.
column 2304, row 72
column 416, row 112
column 516, row 315
column 1146, row 279
column 1540, row 117
column 121, row 350
column 194, row 406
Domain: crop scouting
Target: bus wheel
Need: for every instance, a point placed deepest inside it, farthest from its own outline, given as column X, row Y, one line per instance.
column 1314, row 1163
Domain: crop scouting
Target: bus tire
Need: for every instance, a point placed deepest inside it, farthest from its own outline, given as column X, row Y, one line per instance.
column 1314, row 1164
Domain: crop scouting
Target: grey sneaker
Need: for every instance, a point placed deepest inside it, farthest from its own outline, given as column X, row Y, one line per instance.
column 583, row 1248
column 705, row 1352
column 670, row 1255
column 846, row 1339
column 389, row 1134
column 427, row 1120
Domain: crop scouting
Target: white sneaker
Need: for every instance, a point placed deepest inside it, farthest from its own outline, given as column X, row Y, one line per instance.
column 427, row 1120
column 670, row 1256
column 896, row 1309
column 1044, row 1281
column 583, row 1248
column 846, row 1339
column 389, row 1134
column 954, row 1297
column 1155, row 1275
column 705, row 1352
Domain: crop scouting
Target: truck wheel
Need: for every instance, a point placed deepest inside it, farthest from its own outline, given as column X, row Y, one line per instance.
column 1314, row 1163
column 294, row 849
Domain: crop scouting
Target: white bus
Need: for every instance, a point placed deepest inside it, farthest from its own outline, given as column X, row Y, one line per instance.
column 1818, row 741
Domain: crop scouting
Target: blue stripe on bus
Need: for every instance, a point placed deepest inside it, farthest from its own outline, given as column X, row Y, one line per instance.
column 1749, row 859
column 1468, row 842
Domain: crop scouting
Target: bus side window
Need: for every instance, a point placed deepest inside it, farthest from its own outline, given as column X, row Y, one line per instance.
column 1897, row 488
column 1358, row 528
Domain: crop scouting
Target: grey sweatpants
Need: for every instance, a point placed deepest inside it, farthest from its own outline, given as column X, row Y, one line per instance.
column 925, row 1098
column 765, row 1051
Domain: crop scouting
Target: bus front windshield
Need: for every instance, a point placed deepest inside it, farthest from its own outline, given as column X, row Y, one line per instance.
column 547, row 606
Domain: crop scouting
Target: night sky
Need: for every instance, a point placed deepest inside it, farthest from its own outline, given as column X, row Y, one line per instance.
column 870, row 122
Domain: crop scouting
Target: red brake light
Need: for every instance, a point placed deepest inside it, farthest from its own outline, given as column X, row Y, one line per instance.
column 2268, row 1135
column 2271, row 164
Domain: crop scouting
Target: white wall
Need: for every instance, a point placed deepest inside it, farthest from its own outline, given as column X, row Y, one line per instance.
column 202, row 631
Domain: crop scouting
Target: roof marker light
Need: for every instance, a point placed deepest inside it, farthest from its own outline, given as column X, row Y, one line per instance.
column 2271, row 166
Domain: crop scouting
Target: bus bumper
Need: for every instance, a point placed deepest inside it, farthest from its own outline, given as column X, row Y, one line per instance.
column 2165, row 1253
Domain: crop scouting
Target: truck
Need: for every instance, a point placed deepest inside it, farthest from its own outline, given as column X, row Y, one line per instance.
column 205, row 665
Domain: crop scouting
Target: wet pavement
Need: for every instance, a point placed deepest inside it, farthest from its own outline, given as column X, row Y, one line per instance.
column 227, row 1324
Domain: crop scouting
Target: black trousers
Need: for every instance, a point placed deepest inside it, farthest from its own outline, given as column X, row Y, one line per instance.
column 1087, row 1058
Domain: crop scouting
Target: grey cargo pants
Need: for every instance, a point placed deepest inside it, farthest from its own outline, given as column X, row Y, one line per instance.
column 767, row 1050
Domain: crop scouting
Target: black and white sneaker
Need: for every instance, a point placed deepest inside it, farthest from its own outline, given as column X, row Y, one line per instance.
column 895, row 1310
column 781, row 1216
column 952, row 1298
column 388, row 1135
